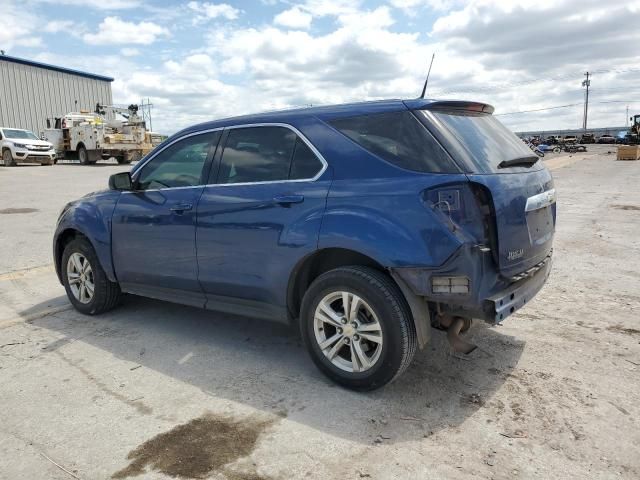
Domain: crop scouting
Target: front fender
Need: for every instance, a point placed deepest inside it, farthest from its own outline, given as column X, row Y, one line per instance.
column 90, row 216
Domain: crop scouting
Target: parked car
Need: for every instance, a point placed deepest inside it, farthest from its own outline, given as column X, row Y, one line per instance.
column 363, row 224
column 607, row 139
column 588, row 138
column 552, row 140
column 569, row 139
column 19, row 145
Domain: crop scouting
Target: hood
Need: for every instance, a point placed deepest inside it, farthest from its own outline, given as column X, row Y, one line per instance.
column 29, row 142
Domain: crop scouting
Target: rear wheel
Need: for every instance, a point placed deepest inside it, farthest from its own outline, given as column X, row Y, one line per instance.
column 87, row 157
column 8, row 158
column 87, row 285
column 357, row 327
column 83, row 155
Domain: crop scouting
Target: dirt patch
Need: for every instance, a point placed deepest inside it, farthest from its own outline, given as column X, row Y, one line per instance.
column 9, row 211
column 198, row 448
column 626, row 207
column 623, row 329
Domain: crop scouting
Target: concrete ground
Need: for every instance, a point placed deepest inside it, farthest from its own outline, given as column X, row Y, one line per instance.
column 153, row 390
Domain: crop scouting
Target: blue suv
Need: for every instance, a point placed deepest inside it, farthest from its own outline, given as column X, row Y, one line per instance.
column 365, row 224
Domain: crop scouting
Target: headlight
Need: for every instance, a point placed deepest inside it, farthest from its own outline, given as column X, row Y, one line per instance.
column 19, row 145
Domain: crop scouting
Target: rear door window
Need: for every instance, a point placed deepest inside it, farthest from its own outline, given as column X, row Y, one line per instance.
column 400, row 139
column 480, row 138
column 266, row 154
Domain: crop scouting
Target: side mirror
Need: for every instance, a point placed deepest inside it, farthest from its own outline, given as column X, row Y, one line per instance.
column 121, row 181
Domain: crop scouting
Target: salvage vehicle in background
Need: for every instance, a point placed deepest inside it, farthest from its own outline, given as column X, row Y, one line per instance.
column 588, row 138
column 607, row 139
column 365, row 225
column 90, row 137
column 23, row 146
column 567, row 139
column 545, row 148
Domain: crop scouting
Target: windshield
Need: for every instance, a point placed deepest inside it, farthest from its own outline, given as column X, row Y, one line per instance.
column 486, row 144
column 20, row 134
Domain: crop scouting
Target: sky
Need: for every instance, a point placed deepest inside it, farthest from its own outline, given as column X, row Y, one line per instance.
column 199, row 60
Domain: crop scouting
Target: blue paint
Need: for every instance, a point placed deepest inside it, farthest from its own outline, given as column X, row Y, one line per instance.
column 237, row 248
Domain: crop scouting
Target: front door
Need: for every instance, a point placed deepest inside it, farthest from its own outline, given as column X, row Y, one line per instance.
column 154, row 226
column 259, row 219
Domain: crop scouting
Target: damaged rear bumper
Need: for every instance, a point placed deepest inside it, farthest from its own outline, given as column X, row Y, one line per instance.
column 489, row 296
column 510, row 300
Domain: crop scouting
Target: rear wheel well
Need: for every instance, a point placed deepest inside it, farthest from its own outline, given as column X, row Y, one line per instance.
column 318, row 263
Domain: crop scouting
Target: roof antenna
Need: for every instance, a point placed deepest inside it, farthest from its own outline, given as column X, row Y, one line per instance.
column 424, row 89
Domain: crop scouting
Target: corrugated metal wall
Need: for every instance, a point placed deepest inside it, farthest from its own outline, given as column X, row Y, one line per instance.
column 29, row 95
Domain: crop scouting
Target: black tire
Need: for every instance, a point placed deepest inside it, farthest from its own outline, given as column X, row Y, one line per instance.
column 391, row 309
column 83, row 155
column 123, row 160
column 8, row 158
column 106, row 294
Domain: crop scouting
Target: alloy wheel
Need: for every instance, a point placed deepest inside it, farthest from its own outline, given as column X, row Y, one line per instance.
column 348, row 331
column 80, row 278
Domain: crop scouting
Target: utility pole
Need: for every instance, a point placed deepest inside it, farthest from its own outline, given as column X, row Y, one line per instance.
column 626, row 118
column 586, row 83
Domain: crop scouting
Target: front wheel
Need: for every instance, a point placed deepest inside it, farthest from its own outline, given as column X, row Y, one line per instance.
column 8, row 158
column 86, row 283
column 357, row 327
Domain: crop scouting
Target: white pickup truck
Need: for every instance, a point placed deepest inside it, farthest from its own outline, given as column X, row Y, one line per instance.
column 19, row 145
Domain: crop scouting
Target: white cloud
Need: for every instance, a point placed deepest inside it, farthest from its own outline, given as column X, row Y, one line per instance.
column 55, row 26
column 114, row 31
column 411, row 7
column 485, row 51
column 19, row 28
column 98, row 4
column 322, row 8
column 210, row 11
column 294, row 18
column 130, row 52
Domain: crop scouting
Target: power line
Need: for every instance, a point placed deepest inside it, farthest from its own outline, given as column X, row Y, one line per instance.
column 539, row 109
column 629, row 102
column 501, row 86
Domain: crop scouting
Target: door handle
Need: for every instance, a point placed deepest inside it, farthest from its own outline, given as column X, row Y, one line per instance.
column 287, row 200
column 181, row 207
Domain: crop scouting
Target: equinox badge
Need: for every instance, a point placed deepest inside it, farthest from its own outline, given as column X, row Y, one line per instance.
column 515, row 254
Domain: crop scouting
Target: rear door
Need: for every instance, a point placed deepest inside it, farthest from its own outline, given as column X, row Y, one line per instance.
column 154, row 227
column 259, row 218
column 519, row 185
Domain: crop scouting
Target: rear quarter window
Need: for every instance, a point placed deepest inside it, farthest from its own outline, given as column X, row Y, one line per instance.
column 399, row 138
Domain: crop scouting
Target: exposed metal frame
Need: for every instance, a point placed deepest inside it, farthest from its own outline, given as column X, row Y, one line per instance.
column 315, row 151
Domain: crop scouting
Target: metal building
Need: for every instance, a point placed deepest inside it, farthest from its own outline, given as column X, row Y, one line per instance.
column 31, row 92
